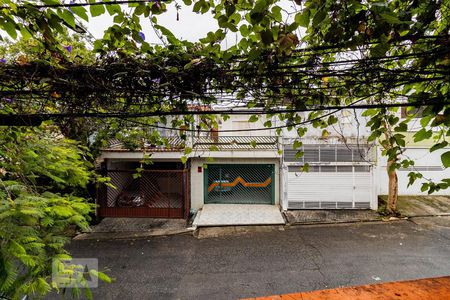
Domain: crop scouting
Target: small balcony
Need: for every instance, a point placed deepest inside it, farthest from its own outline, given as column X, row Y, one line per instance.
column 235, row 143
column 167, row 144
column 207, row 143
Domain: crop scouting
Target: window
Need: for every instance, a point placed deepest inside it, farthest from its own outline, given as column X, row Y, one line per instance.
column 328, row 153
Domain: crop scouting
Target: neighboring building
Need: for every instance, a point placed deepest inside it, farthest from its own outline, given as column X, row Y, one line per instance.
column 254, row 166
column 429, row 164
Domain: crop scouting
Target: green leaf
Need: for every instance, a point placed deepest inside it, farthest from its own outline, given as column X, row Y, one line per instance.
column 51, row 2
column 400, row 140
column 319, row 17
column 17, row 248
column 305, row 168
column 424, row 187
column 25, row 33
column 402, row 127
column 81, row 12
column 168, row 34
column 302, row 18
column 68, row 17
column 422, row 134
column 100, row 275
column 391, row 18
column 301, row 131
column 198, row 6
column 97, row 10
column 213, row 148
column 260, row 6
column 439, row 146
column 445, row 158
column 425, row 120
column 369, row 113
column 276, row 13
column 253, row 118
column 10, row 28
column 266, row 36
column 299, row 154
column 297, row 144
column 244, row 30
column 380, row 49
column 113, row 9
column 332, row 120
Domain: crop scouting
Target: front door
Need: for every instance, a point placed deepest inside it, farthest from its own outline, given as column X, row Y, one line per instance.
column 240, row 183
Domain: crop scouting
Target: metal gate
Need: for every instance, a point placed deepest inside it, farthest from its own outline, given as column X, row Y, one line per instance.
column 339, row 177
column 240, row 183
column 154, row 193
column 330, row 187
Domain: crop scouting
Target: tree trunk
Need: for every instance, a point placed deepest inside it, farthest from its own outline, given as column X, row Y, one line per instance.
column 393, row 188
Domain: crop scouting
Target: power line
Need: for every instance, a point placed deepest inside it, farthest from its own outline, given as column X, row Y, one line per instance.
column 33, row 119
column 58, row 5
column 244, row 130
column 349, row 106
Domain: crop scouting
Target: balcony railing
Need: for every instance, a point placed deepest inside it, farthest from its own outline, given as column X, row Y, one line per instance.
column 174, row 143
column 212, row 143
column 236, row 143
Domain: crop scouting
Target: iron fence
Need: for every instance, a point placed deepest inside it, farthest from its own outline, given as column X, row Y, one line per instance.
column 236, row 143
column 151, row 193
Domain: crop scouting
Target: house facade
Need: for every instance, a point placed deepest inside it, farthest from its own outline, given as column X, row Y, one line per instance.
column 242, row 162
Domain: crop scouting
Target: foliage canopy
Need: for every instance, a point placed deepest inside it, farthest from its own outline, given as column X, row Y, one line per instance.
column 293, row 55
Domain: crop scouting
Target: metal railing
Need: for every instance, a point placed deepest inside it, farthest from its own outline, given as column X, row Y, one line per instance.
column 236, row 143
column 154, row 193
column 213, row 143
column 172, row 143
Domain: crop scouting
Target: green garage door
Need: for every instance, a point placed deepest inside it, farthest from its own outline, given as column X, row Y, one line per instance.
column 240, row 184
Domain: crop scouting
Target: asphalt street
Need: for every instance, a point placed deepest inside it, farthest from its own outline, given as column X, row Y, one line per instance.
column 301, row 258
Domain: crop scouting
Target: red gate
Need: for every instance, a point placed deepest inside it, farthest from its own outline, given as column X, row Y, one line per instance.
column 151, row 193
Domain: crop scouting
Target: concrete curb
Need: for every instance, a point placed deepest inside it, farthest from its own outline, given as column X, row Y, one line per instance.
column 429, row 216
column 223, row 231
column 218, row 231
column 338, row 222
column 126, row 235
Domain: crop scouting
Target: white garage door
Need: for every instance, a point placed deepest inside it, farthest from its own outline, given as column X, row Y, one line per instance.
column 346, row 187
column 339, row 177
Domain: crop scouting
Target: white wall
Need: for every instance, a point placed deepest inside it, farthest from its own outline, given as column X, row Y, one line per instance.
column 423, row 160
column 240, row 122
column 197, row 179
column 347, row 126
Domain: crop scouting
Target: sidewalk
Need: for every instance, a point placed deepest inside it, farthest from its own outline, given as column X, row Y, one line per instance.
column 222, row 220
column 422, row 289
column 423, row 206
column 130, row 228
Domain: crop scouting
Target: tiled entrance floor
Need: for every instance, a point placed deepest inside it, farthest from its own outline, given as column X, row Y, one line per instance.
column 238, row 214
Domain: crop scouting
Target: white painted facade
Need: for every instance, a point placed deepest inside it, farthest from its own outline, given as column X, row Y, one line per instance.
column 345, row 184
column 429, row 164
column 240, row 122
